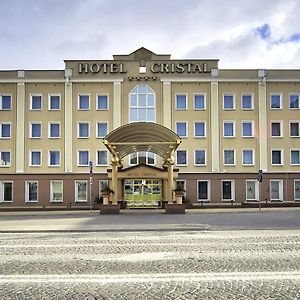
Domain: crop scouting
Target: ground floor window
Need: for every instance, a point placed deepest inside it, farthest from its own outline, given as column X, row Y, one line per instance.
column 251, row 190
column 31, row 190
column 297, row 190
column 6, row 191
column 276, row 190
column 203, row 190
column 80, row 191
column 227, row 190
column 56, row 191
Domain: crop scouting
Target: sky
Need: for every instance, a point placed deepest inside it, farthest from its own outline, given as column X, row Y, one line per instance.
column 256, row 34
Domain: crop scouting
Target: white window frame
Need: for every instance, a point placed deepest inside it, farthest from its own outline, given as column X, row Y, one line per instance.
column 200, row 165
column 30, row 104
column 252, row 101
column 30, row 157
column 97, row 163
column 78, row 103
column 76, row 191
column 186, row 155
column 232, row 190
column 252, row 128
column 208, row 191
column 280, row 189
column 51, row 191
column 296, row 199
column 138, row 158
column 49, row 160
column 186, row 128
column 199, row 94
column 281, row 156
column 78, row 151
column 101, row 109
column 296, row 94
column 30, row 130
column 27, row 191
column 233, row 100
column 256, row 190
column 234, row 156
column 49, row 101
column 186, row 101
column 5, row 123
column 49, row 130
column 2, row 165
column 276, row 94
column 1, row 105
column 294, row 149
column 281, row 129
column 197, row 136
column 78, row 131
column 2, row 191
column 290, row 133
column 233, row 128
column 107, row 124
column 253, row 157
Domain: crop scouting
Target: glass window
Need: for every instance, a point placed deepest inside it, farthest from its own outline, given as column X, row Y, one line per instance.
column 102, row 185
column 56, row 191
column 102, row 102
column 84, row 102
column 54, row 130
column 54, row 158
column 297, row 189
column 248, row 157
column 200, row 129
column 6, row 191
column 200, row 158
column 229, row 129
column 294, row 101
column 227, row 190
column 295, row 157
column 142, row 158
column 54, row 102
column 83, row 130
column 247, row 102
column 276, row 157
column 181, row 157
column 36, row 102
column 36, row 130
column 101, row 129
column 203, row 190
column 228, row 102
column 199, row 102
column 247, row 129
column 276, row 129
column 276, row 101
column 83, row 157
column 81, row 191
column 35, row 158
column 31, row 191
column 181, row 102
column 5, row 102
column 276, row 190
column 294, row 129
column 5, row 158
column 102, row 158
column 5, row 132
column 229, row 157
column 181, row 129
column 251, row 190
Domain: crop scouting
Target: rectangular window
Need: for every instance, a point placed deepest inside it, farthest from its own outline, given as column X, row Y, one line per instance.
column 276, row 101
column 83, row 102
column 203, row 190
column 229, row 157
column 102, row 185
column 102, row 158
column 35, row 158
column 199, row 130
column 295, row 157
column 83, row 157
column 199, row 102
column 200, row 157
column 101, row 129
column 248, row 159
column 294, row 101
column 228, row 190
column 54, row 102
column 83, row 130
column 277, row 157
column 31, row 190
column 229, row 129
column 181, row 158
column 6, row 191
column 142, row 158
column 102, row 102
column 181, row 129
column 35, row 130
column 297, row 190
column 35, row 102
column 5, row 158
column 276, row 190
column 81, row 191
column 228, row 102
column 251, row 190
column 54, row 158
column 276, row 129
column 54, row 130
column 247, row 102
column 56, row 191
column 181, row 102
column 247, row 129
column 5, row 130
column 5, row 102
column 294, row 129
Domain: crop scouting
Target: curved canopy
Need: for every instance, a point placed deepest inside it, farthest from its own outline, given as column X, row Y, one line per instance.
column 142, row 136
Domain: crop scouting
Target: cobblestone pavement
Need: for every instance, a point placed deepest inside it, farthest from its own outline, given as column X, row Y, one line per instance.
column 151, row 265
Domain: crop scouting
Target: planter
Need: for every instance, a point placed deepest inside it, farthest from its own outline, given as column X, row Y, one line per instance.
column 109, row 209
column 175, row 208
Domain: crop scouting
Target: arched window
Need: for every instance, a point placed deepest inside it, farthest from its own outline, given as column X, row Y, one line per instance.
column 142, row 104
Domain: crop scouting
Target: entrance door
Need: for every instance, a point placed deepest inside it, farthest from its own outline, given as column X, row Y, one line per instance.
column 142, row 193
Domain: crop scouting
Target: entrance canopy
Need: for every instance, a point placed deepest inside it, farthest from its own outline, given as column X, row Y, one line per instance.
column 142, row 136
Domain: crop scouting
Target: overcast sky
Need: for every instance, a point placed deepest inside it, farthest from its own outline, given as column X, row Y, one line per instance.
column 40, row 34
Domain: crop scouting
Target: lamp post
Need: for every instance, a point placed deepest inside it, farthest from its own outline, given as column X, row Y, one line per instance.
column 91, row 183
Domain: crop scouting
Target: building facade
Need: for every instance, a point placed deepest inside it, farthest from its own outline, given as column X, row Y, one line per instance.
column 232, row 123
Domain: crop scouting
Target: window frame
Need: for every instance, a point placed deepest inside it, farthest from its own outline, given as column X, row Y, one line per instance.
column 233, row 129
column 78, row 157
column 186, row 129
column 1, row 102
column 280, row 99
column 232, row 190
column 281, row 129
column 296, row 199
column 233, row 101
column 97, row 132
column 49, row 158
column 5, row 123
column 186, row 101
column 256, row 199
column 8, row 165
column 2, row 190
column 27, row 200
column 200, row 136
column 51, row 191
column 252, row 101
column 294, row 149
column 208, row 191
column 49, row 101
column 49, row 130
column 78, row 103
column 200, row 165
column 294, row 94
column 253, row 157
column 76, row 191
column 30, row 130
column 30, row 157
column 97, row 162
column 204, row 101
column 107, row 102
column 234, row 157
column 31, row 102
column 186, row 157
column 78, row 130
column 290, row 131
column 280, row 190
column 281, row 156
column 252, row 128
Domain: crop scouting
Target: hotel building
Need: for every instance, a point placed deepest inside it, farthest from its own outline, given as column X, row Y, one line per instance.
column 225, row 124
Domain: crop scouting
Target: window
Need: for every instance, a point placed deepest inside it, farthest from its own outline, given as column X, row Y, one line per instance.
column 276, row 190
column 54, row 158
column 199, row 102
column 83, row 130
column 35, row 130
column 83, row 102
column 277, row 157
column 102, row 158
column 228, row 190
column 181, row 158
column 142, row 104
column 83, row 157
column 181, row 129
column 276, row 129
column 5, row 102
column 247, row 102
column 295, row 157
column 297, row 190
column 248, row 159
column 4, row 158
column 102, row 102
column 80, row 191
column 35, row 158
column 276, row 101
column 6, row 191
column 294, row 101
column 228, row 102
column 54, row 102
column 142, row 158
column 102, row 185
column 181, row 102
column 31, row 190
column 200, row 157
column 229, row 157
column 54, row 130
column 229, row 129
column 56, row 191
column 101, row 129
column 203, row 190
column 5, row 130
column 294, row 129
column 247, row 129
column 251, row 190
column 35, row 102
column 181, row 184
column 199, row 129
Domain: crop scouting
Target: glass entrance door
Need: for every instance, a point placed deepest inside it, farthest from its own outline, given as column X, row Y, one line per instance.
column 142, row 193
